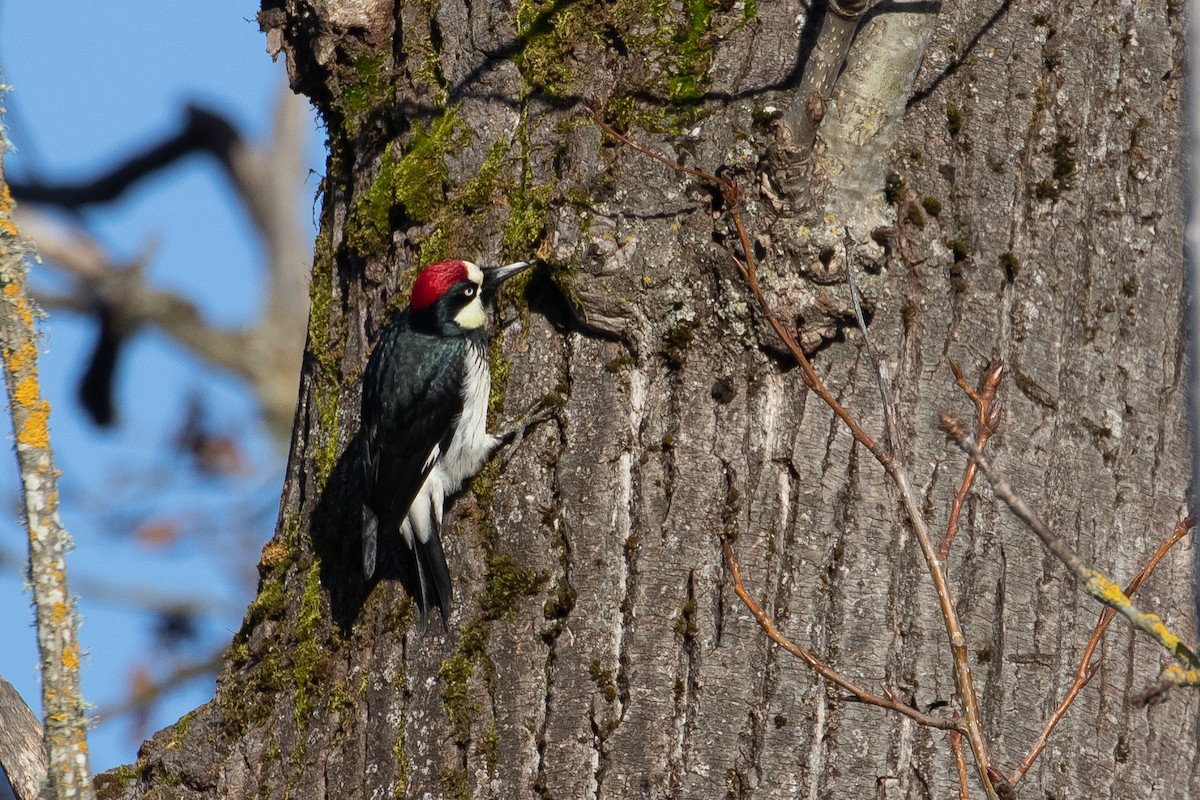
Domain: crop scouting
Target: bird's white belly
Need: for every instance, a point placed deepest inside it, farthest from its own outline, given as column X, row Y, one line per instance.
column 472, row 444
column 468, row 451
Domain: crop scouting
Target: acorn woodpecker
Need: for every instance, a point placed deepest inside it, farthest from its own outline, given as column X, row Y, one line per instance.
column 424, row 417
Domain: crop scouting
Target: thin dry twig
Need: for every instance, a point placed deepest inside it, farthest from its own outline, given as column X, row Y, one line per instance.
column 1094, row 582
column 987, row 421
column 892, row 463
column 887, row 700
column 1088, row 668
column 891, row 415
column 960, row 764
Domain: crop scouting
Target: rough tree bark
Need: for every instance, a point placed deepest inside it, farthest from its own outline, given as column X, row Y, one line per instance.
column 596, row 647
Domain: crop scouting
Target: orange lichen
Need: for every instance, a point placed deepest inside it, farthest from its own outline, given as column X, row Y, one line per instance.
column 25, row 393
column 23, row 359
column 35, row 432
column 71, row 656
column 6, row 208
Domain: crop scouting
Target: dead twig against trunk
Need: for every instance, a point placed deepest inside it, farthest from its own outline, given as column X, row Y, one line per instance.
column 57, row 624
column 960, row 765
column 887, row 700
column 1186, row 672
column 987, row 421
column 1087, row 667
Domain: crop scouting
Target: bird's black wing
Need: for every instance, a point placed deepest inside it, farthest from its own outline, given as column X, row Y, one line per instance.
column 411, row 397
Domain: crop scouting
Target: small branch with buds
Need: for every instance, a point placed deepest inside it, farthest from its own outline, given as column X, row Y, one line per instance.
column 987, row 421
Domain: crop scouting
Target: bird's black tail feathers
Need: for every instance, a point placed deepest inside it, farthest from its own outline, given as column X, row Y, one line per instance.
column 433, row 575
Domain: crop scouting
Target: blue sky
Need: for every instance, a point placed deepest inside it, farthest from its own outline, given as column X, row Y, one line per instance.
column 91, row 83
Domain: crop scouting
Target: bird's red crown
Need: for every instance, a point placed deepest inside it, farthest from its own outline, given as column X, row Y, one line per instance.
column 433, row 282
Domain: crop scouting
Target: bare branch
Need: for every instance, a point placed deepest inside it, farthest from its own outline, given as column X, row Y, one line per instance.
column 203, row 131
column 987, row 422
column 1088, row 668
column 57, row 624
column 1094, row 582
column 267, row 180
column 857, row 134
column 797, row 128
column 821, row 668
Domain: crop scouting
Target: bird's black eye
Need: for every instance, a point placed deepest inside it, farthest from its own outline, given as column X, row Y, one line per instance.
column 470, row 291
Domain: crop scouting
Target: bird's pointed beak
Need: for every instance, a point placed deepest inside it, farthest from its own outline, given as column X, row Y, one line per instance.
column 494, row 276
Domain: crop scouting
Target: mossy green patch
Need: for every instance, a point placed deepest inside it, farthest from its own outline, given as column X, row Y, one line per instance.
column 456, row 673
column 421, row 172
column 362, row 87
column 954, row 119
column 456, row 783
column 527, row 222
column 270, row 604
column 914, row 216
column 477, row 192
column 675, row 343
column 370, row 228
column 403, row 763
column 1063, row 166
column 686, row 624
column 505, row 585
column 310, row 659
column 490, row 746
column 320, row 296
column 959, row 249
column 677, row 39
column 688, row 76
column 604, row 679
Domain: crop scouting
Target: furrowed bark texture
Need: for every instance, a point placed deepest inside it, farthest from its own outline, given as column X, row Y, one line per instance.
column 596, row 648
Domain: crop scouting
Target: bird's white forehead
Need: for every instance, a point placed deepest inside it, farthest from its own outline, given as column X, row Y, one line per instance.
column 474, row 273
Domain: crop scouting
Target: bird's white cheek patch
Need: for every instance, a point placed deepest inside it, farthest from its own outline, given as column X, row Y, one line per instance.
column 472, row 315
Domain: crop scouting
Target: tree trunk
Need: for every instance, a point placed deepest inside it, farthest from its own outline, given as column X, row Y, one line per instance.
column 596, row 646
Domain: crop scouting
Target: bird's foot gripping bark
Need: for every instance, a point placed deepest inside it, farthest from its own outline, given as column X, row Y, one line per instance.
column 543, row 410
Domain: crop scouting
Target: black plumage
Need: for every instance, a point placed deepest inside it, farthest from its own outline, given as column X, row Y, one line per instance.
column 424, row 419
column 411, row 392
